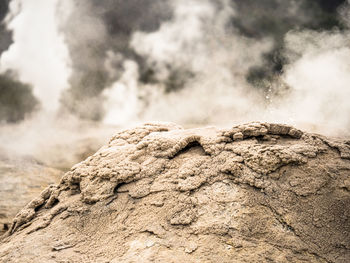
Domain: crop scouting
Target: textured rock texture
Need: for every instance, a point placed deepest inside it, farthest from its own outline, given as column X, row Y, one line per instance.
column 158, row 193
column 21, row 180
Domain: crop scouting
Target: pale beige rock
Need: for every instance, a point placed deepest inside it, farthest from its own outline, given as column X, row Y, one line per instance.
column 21, row 180
column 159, row 193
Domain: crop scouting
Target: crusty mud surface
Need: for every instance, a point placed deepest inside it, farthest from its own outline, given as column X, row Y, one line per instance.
column 158, row 193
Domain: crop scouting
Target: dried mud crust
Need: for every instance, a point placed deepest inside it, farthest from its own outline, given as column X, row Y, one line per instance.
column 257, row 192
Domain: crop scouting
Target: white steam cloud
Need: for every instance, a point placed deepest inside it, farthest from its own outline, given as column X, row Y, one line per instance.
column 312, row 93
column 38, row 53
column 318, row 75
column 195, row 40
column 212, row 61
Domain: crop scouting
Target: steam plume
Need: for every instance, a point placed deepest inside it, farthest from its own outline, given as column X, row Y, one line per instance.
column 38, row 53
column 193, row 62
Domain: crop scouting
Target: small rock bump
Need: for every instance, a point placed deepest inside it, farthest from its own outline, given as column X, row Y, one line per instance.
column 295, row 133
column 238, row 136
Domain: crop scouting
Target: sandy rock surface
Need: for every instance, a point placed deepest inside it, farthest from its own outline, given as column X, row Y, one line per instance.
column 159, row 193
column 21, row 180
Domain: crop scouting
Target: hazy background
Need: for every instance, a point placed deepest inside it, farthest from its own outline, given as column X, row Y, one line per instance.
column 80, row 69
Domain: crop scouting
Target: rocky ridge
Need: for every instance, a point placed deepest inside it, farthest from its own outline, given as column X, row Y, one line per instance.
column 257, row 192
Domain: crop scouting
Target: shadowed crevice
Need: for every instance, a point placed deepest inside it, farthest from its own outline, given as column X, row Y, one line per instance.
column 194, row 147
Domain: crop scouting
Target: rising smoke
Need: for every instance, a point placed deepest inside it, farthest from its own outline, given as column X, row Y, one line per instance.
column 38, row 53
column 192, row 62
column 98, row 36
column 16, row 98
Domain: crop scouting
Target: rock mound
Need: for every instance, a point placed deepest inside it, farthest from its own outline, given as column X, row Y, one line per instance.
column 158, row 193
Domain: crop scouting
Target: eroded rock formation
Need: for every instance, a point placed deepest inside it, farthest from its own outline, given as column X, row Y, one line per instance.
column 158, row 193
